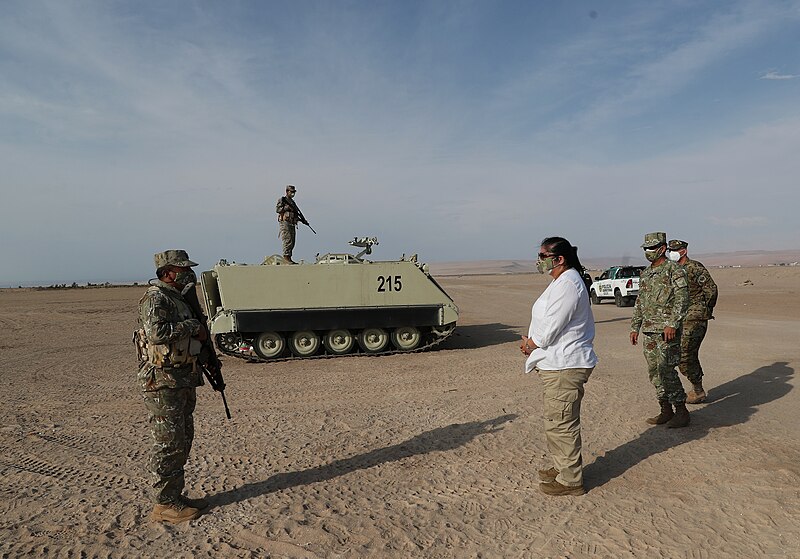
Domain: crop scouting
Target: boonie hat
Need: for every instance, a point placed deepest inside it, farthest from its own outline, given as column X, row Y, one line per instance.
column 675, row 244
column 178, row 258
column 652, row 240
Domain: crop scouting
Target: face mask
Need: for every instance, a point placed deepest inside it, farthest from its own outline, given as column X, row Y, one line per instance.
column 546, row 264
column 674, row 255
column 185, row 278
column 652, row 255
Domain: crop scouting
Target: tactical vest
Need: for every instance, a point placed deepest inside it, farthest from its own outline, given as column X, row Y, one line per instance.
column 179, row 354
column 287, row 211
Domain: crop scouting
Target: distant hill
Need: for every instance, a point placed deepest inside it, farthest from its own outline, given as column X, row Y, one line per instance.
column 744, row 258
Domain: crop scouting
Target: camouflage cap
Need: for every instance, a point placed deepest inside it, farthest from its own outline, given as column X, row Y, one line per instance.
column 290, row 188
column 652, row 240
column 675, row 244
column 173, row 258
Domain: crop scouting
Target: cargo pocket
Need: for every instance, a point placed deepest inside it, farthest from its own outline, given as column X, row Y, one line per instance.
column 672, row 353
column 561, row 404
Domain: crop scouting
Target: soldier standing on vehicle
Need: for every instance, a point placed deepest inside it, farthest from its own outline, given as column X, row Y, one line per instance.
column 288, row 216
column 168, row 342
column 702, row 300
column 659, row 314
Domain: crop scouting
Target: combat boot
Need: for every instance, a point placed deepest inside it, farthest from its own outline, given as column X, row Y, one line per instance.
column 697, row 395
column 200, row 503
column 288, row 259
column 665, row 415
column 681, row 417
column 556, row 489
column 174, row 513
column 548, row 475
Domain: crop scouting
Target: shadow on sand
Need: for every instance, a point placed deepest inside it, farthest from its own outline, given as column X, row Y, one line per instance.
column 732, row 403
column 443, row 438
column 481, row 335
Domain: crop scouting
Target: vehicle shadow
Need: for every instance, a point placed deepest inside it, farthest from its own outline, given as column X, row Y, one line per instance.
column 440, row 439
column 481, row 335
column 732, row 403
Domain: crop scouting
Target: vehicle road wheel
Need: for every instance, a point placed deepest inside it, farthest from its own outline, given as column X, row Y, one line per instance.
column 231, row 341
column 269, row 345
column 304, row 343
column 630, row 301
column 593, row 297
column 339, row 342
column 373, row 340
column 619, row 300
column 406, row 338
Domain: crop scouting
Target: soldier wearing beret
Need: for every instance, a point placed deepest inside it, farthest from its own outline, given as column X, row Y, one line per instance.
column 702, row 300
column 168, row 343
column 659, row 314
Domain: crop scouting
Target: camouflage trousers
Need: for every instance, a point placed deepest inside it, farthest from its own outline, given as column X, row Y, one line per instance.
column 288, row 233
column 563, row 393
column 691, row 337
column 662, row 357
column 171, row 430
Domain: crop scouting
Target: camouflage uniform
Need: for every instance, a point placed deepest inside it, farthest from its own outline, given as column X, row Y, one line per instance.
column 288, row 216
column 168, row 377
column 663, row 301
column 702, row 299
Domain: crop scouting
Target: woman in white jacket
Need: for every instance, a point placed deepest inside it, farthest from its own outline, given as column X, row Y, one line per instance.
column 559, row 346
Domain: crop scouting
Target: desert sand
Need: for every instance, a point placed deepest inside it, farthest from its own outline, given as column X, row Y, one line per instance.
column 421, row 455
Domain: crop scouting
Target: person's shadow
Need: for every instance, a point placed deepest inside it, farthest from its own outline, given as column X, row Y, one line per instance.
column 442, row 438
column 732, row 403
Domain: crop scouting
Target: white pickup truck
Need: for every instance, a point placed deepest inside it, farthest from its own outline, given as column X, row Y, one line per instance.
column 620, row 283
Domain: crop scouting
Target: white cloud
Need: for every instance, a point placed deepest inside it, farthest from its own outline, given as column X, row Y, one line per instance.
column 773, row 75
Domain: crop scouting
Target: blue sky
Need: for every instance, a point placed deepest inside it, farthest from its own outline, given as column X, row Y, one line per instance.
column 456, row 130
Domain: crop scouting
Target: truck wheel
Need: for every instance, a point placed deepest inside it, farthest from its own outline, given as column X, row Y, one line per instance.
column 304, row 343
column 373, row 340
column 339, row 342
column 269, row 345
column 593, row 297
column 406, row 338
column 630, row 301
column 619, row 300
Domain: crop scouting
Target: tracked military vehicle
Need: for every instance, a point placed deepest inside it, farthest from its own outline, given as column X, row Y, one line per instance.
column 341, row 304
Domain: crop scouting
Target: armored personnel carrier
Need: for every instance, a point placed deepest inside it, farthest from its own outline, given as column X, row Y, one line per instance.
column 341, row 304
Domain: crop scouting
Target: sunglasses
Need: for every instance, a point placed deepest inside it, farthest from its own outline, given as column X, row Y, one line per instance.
column 542, row 256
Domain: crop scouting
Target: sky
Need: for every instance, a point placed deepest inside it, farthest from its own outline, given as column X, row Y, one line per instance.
column 457, row 130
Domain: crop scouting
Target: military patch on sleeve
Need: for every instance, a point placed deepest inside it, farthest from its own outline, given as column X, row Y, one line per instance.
column 680, row 281
column 702, row 278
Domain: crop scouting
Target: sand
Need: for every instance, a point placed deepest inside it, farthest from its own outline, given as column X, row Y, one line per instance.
column 424, row 455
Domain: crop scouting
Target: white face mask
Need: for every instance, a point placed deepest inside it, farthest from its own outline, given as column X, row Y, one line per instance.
column 674, row 255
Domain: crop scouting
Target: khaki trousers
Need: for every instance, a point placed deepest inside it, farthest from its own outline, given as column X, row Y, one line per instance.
column 563, row 392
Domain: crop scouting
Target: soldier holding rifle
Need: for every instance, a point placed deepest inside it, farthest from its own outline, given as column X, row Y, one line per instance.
column 169, row 342
column 288, row 217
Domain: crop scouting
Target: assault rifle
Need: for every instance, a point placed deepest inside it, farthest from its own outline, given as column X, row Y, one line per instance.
column 300, row 217
column 208, row 361
column 307, row 224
